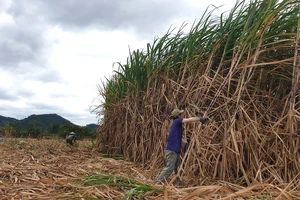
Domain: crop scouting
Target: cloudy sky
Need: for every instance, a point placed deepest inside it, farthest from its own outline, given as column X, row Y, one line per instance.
column 55, row 53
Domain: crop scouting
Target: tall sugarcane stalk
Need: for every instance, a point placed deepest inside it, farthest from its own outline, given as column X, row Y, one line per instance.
column 240, row 70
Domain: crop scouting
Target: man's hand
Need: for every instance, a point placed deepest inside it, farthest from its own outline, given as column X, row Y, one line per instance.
column 203, row 120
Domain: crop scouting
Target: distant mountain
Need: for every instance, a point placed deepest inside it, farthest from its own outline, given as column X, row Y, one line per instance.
column 6, row 120
column 42, row 121
column 92, row 126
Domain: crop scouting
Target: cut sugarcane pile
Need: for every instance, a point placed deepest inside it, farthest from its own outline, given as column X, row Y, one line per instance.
column 49, row 169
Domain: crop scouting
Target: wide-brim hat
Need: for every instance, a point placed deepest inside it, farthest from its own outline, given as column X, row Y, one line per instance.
column 72, row 133
column 176, row 112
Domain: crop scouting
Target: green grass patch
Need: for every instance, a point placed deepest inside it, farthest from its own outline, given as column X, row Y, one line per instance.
column 116, row 157
column 134, row 187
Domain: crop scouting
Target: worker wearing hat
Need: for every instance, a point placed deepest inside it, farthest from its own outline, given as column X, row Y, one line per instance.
column 71, row 138
column 173, row 148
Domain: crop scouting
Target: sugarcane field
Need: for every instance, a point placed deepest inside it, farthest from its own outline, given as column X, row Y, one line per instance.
column 239, row 71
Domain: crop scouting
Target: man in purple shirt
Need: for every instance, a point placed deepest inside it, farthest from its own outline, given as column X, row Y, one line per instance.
column 173, row 148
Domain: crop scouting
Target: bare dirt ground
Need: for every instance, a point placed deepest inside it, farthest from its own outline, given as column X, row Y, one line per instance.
column 49, row 169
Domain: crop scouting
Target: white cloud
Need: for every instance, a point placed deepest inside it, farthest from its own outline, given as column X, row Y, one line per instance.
column 83, row 59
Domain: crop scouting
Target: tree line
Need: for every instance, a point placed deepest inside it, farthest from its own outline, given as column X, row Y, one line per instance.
column 14, row 129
